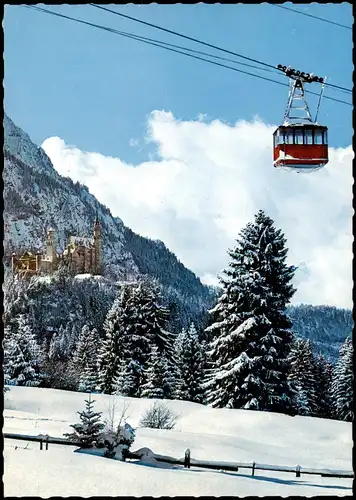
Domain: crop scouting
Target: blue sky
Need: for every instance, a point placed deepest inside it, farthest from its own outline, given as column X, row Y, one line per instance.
column 89, row 98
column 95, row 90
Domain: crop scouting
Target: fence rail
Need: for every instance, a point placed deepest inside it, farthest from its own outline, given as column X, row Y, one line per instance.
column 235, row 466
column 228, row 466
column 41, row 438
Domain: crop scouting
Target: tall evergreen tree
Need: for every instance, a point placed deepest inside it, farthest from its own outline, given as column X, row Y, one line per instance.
column 250, row 337
column 114, row 349
column 144, row 329
column 126, row 378
column 190, row 363
column 342, row 383
column 323, row 379
column 85, row 360
column 153, row 388
column 151, row 316
column 169, row 377
column 23, row 358
column 302, row 375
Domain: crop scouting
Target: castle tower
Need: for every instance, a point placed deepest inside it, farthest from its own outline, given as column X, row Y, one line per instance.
column 51, row 253
column 13, row 262
column 38, row 262
column 97, row 242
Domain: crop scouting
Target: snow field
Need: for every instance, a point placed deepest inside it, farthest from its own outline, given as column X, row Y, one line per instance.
column 211, row 434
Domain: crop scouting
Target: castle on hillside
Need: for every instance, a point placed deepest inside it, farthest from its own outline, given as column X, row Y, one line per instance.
column 82, row 255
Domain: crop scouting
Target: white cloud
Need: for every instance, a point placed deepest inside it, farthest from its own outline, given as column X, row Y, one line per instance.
column 207, row 180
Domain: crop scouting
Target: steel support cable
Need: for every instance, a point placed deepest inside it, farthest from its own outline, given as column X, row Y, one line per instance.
column 197, row 40
column 143, row 40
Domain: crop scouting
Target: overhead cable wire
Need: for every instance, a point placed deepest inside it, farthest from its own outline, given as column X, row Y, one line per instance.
column 143, row 40
column 199, row 41
column 154, row 41
column 311, row 15
column 182, row 35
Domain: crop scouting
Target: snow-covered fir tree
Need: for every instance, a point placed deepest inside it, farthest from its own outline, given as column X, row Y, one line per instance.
column 151, row 317
column 302, row 375
column 153, row 388
column 85, row 359
column 323, row 370
column 126, row 378
column 250, row 337
column 88, row 431
column 190, row 366
column 62, row 344
column 169, row 377
column 143, row 328
column 23, row 358
column 115, row 346
column 83, row 348
column 342, row 383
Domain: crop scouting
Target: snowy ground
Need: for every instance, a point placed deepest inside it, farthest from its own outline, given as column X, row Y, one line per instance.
column 221, row 435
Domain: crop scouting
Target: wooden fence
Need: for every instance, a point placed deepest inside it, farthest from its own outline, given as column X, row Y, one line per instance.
column 235, row 466
column 228, row 466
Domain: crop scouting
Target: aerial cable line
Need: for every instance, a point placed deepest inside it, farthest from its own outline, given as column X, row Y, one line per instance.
column 311, row 15
column 141, row 39
column 154, row 41
column 181, row 35
column 201, row 41
column 144, row 40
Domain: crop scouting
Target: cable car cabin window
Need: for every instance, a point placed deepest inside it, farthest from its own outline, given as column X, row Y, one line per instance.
column 298, row 136
column 308, row 136
column 280, row 137
column 325, row 136
column 318, row 138
column 288, row 137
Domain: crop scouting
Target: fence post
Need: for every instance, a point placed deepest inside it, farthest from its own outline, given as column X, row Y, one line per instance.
column 187, row 458
column 253, row 468
column 297, row 471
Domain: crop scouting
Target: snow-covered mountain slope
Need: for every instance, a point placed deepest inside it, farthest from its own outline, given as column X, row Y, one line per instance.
column 37, row 197
column 210, row 434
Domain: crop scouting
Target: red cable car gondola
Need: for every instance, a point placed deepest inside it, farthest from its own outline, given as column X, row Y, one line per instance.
column 300, row 144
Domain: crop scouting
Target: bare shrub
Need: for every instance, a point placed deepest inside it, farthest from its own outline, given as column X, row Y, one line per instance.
column 159, row 416
column 118, row 434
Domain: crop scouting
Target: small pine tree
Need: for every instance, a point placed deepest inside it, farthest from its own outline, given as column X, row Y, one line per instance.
column 153, row 388
column 23, row 357
column 342, row 383
column 89, row 430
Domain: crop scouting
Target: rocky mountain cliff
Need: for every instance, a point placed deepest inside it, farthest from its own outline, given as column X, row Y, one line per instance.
column 36, row 197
